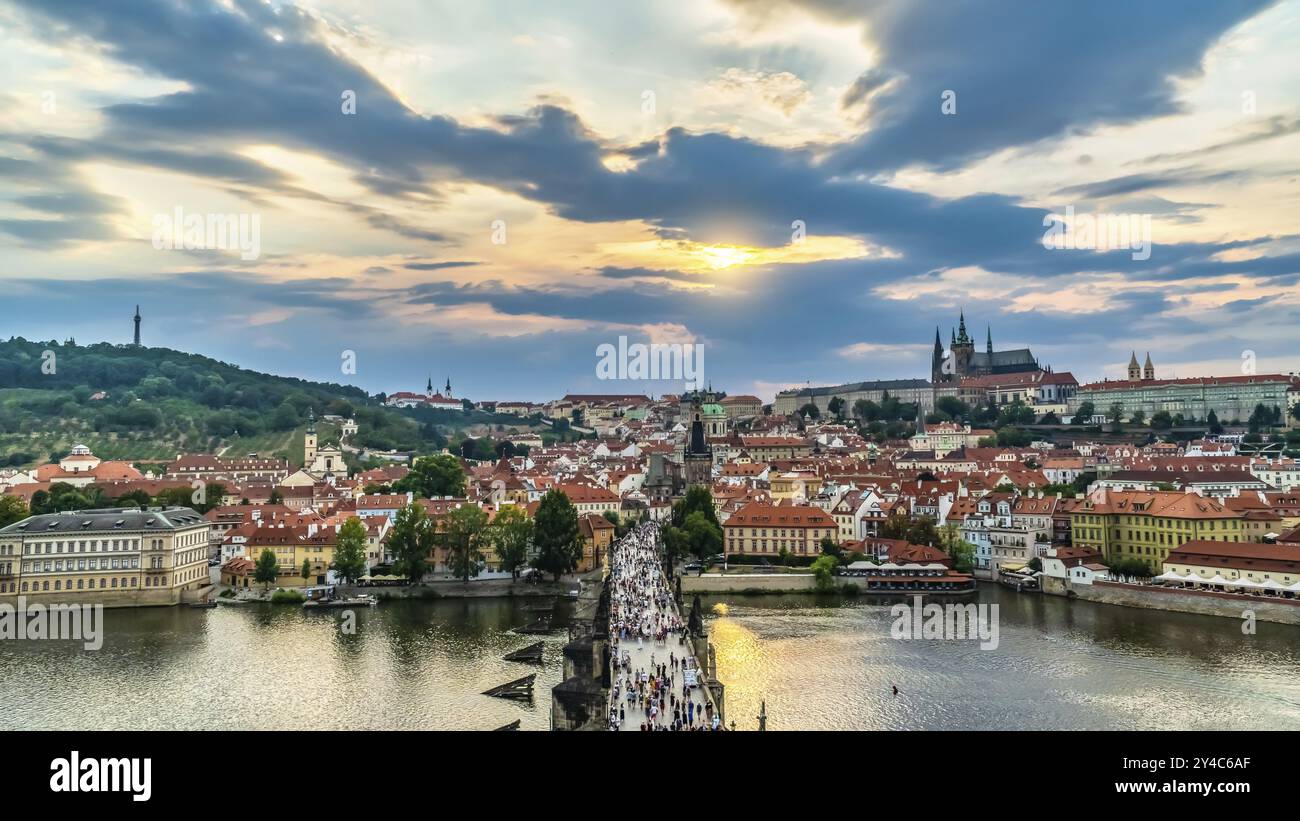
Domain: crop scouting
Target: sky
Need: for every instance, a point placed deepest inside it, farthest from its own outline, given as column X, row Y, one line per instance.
column 489, row 192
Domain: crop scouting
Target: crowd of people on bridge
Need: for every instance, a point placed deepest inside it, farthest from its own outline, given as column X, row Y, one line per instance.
column 655, row 684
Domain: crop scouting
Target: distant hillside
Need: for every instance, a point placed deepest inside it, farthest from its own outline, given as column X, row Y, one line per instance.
column 148, row 404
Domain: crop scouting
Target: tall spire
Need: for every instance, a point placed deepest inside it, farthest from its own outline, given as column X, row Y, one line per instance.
column 990, row 343
column 428, row 387
column 961, row 329
column 137, row 326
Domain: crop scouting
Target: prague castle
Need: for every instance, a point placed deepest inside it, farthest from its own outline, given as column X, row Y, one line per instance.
column 962, row 360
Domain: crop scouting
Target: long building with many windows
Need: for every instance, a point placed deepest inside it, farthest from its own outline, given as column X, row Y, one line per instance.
column 904, row 390
column 763, row 528
column 118, row 557
column 1229, row 397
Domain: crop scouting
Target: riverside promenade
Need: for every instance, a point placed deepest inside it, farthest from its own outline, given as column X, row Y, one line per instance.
column 656, row 682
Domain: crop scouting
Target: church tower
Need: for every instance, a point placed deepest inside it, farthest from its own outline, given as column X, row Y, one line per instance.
column 309, row 441
column 963, row 351
column 1134, row 372
column 137, row 326
column 428, row 387
column 446, row 389
column 936, row 360
column 1148, row 370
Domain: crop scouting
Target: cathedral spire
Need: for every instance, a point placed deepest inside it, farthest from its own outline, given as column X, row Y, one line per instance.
column 962, row 336
column 990, row 343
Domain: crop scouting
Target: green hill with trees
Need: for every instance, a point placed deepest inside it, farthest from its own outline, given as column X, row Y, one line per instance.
column 148, row 404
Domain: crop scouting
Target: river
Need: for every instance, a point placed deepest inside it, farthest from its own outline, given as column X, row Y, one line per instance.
column 819, row 664
column 1058, row 665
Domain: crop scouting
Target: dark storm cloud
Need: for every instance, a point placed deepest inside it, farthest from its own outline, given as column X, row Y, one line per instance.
column 1133, row 183
column 1021, row 73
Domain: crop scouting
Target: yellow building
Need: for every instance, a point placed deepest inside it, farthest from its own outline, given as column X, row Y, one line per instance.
column 118, row 557
column 597, row 534
column 292, row 546
column 1148, row 525
column 795, row 485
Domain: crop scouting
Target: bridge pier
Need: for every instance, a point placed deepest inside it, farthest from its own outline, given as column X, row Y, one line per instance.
column 581, row 700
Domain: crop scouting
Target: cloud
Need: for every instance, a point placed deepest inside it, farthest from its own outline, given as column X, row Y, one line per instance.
column 985, row 52
column 780, row 90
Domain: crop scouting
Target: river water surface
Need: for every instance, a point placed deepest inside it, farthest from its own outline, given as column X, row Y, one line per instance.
column 819, row 664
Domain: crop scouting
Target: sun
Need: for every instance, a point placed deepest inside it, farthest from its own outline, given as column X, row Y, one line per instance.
column 718, row 257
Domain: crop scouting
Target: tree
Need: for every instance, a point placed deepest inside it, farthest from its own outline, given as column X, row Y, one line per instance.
column 697, row 499
column 266, row 569
column 511, row 533
column 953, row 407
column 41, row 502
column 810, row 410
column 464, row 531
column 410, row 541
column 836, row 407
column 432, row 476
column 1015, row 413
column 917, row 531
column 676, row 543
column 1212, row 421
column 829, row 547
column 555, row 534
column 306, row 571
column 1116, row 414
column 138, row 498
column 960, row 551
column 350, row 551
column 1161, row 420
column 866, row 410
column 1085, row 411
column 12, row 510
column 703, row 535
column 1260, row 419
column 823, row 568
column 277, row 498
column 1138, row 418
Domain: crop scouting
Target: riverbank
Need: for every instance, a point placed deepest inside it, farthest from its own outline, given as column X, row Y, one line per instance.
column 566, row 587
column 1200, row 602
column 476, row 589
column 749, row 583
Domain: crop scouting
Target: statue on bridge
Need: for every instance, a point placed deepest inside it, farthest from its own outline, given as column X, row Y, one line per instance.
column 696, row 620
